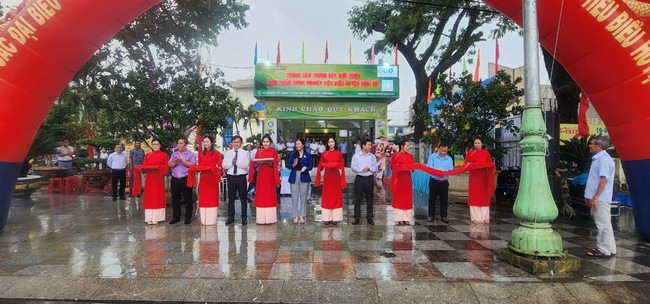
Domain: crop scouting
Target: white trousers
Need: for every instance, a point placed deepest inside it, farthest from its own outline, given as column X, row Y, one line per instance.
column 605, row 241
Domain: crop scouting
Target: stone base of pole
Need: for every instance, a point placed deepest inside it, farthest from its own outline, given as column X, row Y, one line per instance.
column 536, row 239
column 540, row 265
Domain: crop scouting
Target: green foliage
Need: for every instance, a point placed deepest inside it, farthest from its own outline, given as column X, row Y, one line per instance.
column 149, row 79
column 63, row 121
column 432, row 35
column 476, row 111
column 576, row 150
column 106, row 143
column 255, row 138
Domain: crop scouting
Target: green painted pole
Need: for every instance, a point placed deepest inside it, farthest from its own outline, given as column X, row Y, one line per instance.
column 534, row 206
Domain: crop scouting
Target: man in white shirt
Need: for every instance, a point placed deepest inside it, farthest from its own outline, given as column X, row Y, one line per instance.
column 598, row 196
column 344, row 150
column 256, row 146
column 117, row 162
column 357, row 146
column 364, row 165
column 314, row 152
column 235, row 163
column 65, row 153
column 321, row 148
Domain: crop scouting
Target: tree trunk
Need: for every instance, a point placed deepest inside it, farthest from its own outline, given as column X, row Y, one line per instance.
column 565, row 88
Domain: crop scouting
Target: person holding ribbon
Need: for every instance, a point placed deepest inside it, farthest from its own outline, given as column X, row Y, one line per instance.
column 268, row 180
column 332, row 162
column 480, row 189
column 401, row 184
column 154, row 167
column 209, row 168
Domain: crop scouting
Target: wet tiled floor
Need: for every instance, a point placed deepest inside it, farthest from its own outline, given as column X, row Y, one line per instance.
column 105, row 246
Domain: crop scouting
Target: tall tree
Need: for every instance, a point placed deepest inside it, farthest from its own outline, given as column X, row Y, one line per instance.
column 473, row 112
column 250, row 115
column 565, row 88
column 151, row 71
column 432, row 35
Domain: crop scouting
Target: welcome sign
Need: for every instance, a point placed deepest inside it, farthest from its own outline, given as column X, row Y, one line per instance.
column 326, row 81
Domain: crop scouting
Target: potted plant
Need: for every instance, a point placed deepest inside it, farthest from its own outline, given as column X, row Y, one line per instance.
column 95, row 177
column 44, row 144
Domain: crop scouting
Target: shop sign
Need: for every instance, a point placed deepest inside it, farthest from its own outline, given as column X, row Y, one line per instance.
column 323, row 109
column 568, row 131
column 327, row 81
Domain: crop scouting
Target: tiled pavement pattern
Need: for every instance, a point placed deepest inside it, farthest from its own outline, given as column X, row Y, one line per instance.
column 69, row 247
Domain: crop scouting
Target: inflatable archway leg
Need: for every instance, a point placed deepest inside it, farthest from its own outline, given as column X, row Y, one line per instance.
column 8, row 175
column 42, row 45
column 605, row 47
column 637, row 174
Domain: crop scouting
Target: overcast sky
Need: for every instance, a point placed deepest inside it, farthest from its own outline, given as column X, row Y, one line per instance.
column 313, row 22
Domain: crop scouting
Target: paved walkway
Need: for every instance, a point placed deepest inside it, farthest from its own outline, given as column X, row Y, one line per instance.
column 76, row 247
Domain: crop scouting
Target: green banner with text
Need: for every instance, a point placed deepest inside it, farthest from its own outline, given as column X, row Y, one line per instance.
column 326, row 81
column 324, row 110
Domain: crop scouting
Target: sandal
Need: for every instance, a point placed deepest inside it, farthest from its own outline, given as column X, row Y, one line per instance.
column 295, row 220
column 597, row 254
column 302, row 220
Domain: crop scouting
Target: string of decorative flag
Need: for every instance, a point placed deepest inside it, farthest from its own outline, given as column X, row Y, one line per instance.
column 475, row 77
column 278, row 59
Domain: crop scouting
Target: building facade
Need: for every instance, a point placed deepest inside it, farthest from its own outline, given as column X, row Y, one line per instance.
column 318, row 101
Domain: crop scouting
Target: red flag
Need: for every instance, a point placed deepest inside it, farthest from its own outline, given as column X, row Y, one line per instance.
column 199, row 142
column 327, row 53
column 478, row 66
column 429, row 92
column 583, row 126
column 277, row 60
column 450, row 75
column 496, row 57
column 396, row 53
column 89, row 134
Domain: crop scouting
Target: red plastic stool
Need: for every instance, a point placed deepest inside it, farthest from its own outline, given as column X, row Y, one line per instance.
column 55, row 184
column 72, row 184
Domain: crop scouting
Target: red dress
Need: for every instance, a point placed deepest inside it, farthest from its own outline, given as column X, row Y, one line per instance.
column 334, row 179
column 268, row 179
column 155, row 167
column 403, row 190
column 479, row 195
column 210, row 168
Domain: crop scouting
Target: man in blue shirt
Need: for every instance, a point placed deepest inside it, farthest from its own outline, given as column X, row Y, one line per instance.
column 136, row 157
column 598, row 196
column 364, row 165
column 439, row 186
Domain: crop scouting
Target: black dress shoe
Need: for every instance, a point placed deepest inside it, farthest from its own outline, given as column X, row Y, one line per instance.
column 172, row 222
column 122, row 198
column 188, row 221
column 115, row 198
column 371, row 221
column 356, row 222
column 445, row 220
column 244, row 221
column 230, row 221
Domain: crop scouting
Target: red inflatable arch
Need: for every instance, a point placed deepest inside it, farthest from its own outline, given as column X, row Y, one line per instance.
column 605, row 46
column 42, row 46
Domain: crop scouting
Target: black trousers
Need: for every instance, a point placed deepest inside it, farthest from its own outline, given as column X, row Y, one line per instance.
column 237, row 184
column 364, row 186
column 118, row 175
column 179, row 187
column 438, row 189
